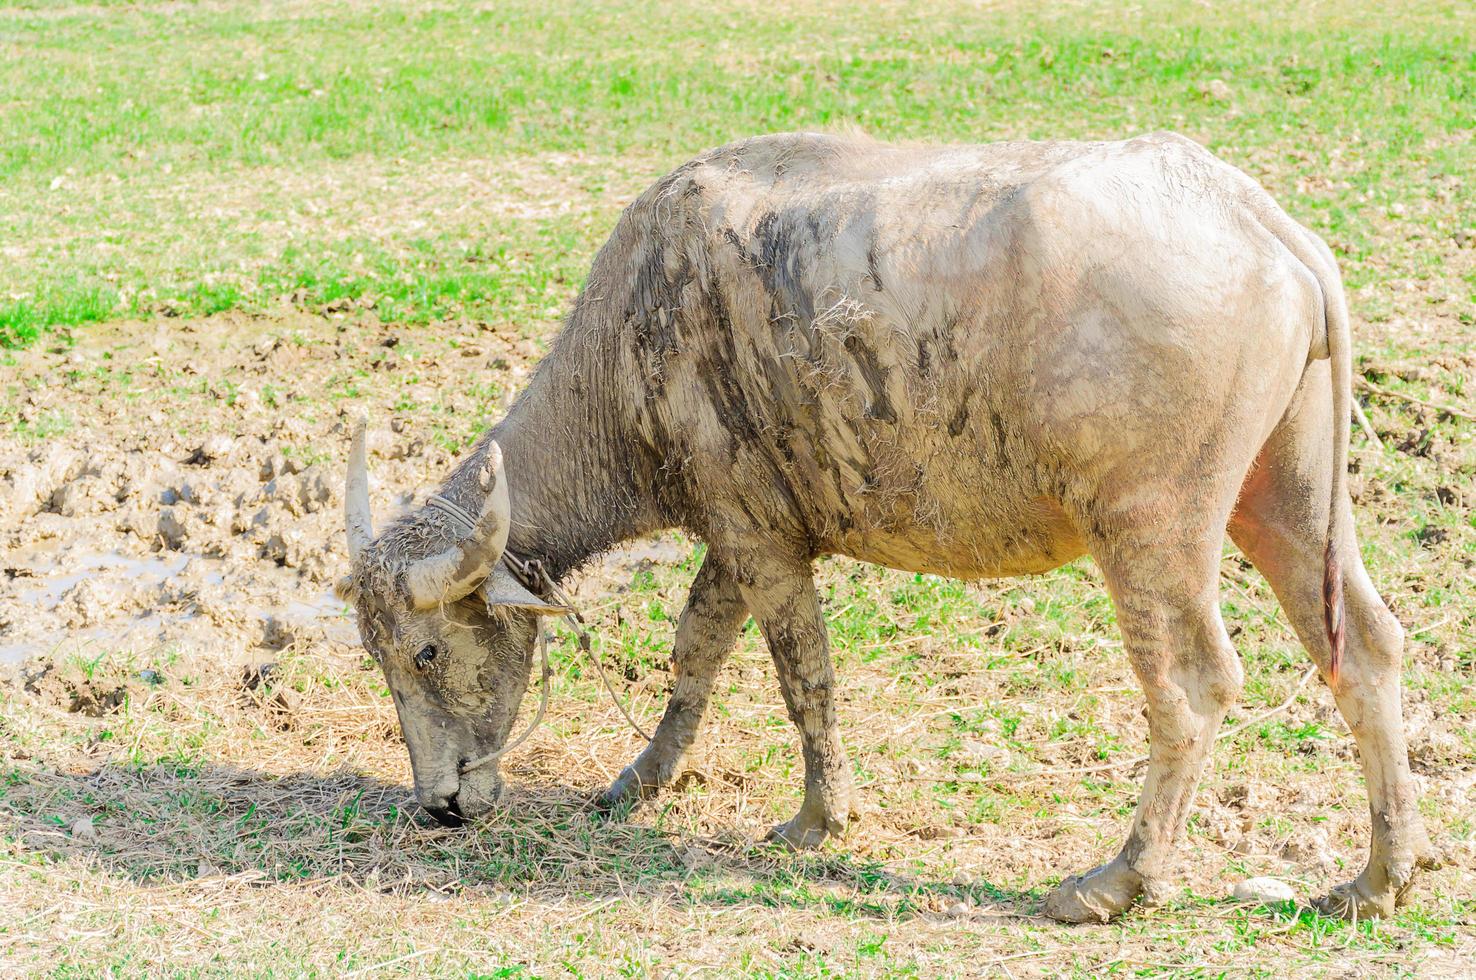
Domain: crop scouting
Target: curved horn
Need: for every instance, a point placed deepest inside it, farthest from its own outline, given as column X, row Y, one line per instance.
column 452, row 574
column 357, row 517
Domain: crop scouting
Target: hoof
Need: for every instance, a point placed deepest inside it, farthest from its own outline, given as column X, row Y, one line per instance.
column 1097, row 896
column 1350, row 902
column 804, row 832
column 1380, row 890
column 796, row 836
column 627, row 789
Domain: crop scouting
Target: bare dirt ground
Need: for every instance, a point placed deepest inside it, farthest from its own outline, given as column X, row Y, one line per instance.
column 204, row 769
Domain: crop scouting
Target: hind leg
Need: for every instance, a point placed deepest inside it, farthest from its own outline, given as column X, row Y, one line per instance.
column 1163, row 577
column 1279, row 524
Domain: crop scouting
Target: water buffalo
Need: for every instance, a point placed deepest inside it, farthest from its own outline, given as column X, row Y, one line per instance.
column 970, row 361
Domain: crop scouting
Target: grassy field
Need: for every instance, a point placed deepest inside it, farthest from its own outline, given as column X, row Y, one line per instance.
column 250, row 218
column 185, row 159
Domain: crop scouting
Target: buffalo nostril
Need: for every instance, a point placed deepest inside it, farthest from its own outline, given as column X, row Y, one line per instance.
column 449, row 815
column 445, row 816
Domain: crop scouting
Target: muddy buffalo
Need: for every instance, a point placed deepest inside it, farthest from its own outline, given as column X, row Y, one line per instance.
column 969, row 361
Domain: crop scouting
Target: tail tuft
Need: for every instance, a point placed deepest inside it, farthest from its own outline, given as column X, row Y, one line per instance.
column 1332, row 611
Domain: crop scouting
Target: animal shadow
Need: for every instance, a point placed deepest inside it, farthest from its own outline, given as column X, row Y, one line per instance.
column 164, row 824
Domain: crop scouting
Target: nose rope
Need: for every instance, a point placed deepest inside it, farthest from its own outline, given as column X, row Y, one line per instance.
column 533, row 572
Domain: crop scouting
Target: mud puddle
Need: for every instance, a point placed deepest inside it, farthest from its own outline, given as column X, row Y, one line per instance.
column 188, row 500
column 72, row 603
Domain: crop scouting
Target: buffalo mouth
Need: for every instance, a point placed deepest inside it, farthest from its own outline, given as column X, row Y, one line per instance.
column 449, row 815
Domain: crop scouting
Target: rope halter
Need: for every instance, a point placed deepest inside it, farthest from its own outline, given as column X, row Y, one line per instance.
column 534, row 577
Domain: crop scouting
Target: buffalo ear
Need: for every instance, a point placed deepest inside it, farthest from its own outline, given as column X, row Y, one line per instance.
column 503, row 591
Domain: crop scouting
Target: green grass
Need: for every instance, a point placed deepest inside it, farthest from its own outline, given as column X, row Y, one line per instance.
column 22, row 321
column 253, row 87
column 138, row 190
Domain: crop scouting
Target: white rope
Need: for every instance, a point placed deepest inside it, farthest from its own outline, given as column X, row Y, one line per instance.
column 575, row 622
column 600, row 668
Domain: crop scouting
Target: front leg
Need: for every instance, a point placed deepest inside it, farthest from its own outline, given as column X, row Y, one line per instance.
column 708, row 627
column 787, row 609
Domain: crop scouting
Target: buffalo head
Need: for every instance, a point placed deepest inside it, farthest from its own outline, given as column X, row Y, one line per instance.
column 450, row 626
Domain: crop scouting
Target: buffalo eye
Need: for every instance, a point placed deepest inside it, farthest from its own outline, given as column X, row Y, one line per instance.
column 425, row 656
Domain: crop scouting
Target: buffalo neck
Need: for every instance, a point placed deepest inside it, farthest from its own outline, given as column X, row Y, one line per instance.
column 578, row 478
